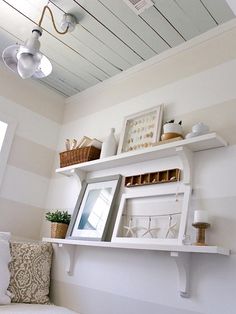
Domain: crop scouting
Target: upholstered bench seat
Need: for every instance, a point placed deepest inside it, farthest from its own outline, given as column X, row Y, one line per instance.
column 25, row 278
column 19, row 308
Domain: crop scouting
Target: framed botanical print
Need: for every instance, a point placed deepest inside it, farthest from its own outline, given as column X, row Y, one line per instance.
column 141, row 130
column 93, row 209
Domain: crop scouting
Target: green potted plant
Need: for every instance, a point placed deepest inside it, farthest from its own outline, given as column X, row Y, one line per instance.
column 59, row 223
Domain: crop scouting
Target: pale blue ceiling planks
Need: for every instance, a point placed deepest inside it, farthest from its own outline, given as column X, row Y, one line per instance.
column 136, row 24
column 219, row 9
column 109, row 38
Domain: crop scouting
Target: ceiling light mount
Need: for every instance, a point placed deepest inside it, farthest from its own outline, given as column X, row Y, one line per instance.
column 27, row 60
column 68, row 22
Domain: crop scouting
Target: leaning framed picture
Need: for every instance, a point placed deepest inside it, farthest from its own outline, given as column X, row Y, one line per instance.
column 153, row 217
column 93, row 209
column 141, row 130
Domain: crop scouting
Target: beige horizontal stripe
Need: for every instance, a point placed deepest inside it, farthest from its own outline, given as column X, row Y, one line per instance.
column 31, row 95
column 31, row 157
column 219, row 117
column 24, row 187
column 184, row 63
column 91, row 301
column 20, row 219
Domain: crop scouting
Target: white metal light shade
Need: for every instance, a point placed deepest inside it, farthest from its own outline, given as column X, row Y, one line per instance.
column 27, row 60
column 9, row 57
column 42, row 68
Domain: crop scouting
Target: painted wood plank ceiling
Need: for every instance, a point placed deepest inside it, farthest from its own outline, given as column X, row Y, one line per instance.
column 109, row 38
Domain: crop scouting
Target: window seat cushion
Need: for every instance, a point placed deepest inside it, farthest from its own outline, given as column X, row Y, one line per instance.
column 19, row 308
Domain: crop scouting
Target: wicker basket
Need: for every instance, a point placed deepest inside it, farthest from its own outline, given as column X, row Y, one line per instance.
column 78, row 155
column 58, row 230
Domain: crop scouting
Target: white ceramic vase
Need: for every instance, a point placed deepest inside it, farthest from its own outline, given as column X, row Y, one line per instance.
column 109, row 146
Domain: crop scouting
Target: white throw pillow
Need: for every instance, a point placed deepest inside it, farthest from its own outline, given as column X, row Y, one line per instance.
column 5, row 258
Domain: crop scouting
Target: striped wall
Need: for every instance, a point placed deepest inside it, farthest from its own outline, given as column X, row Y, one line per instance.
column 38, row 112
column 196, row 82
column 96, row 301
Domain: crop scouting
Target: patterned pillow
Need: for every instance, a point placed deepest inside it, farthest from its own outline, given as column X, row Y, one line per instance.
column 30, row 272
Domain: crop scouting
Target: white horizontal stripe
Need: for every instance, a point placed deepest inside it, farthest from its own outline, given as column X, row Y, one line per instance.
column 62, row 193
column 215, row 173
column 31, row 125
column 24, row 187
column 222, row 216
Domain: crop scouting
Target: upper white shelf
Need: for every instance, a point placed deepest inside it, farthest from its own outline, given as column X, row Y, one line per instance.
column 145, row 246
column 195, row 144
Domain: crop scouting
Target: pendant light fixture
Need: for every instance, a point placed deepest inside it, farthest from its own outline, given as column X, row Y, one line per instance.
column 27, row 60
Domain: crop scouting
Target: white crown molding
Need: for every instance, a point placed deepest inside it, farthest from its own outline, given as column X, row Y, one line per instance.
column 215, row 32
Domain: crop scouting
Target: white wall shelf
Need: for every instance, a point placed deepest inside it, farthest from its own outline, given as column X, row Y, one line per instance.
column 195, row 144
column 184, row 150
column 143, row 246
column 180, row 253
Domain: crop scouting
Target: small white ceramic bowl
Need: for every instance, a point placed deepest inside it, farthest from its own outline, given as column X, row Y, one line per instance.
column 200, row 128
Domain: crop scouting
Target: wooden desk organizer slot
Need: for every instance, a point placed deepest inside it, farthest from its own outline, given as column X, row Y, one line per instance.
column 136, row 180
column 165, row 176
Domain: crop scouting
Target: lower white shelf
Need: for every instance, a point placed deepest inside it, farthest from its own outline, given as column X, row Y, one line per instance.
column 180, row 253
column 141, row 246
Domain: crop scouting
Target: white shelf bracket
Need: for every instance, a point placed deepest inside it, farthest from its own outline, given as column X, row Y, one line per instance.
column 70, row 252
column 182, row 261
column 186, row 156
column 78, row 175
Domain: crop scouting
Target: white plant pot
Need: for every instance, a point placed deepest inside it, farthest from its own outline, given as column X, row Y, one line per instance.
column 173, row 128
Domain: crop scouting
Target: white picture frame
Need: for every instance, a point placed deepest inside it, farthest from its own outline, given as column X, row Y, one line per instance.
column 93, row 210
column 118, row 231
column 141, row 130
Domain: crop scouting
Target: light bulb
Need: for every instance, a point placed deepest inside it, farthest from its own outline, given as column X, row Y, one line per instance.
column 27, row 65
column 44, row 68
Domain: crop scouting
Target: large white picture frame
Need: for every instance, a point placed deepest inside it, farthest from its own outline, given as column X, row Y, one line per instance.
column 141, row 130
column 125, row 230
